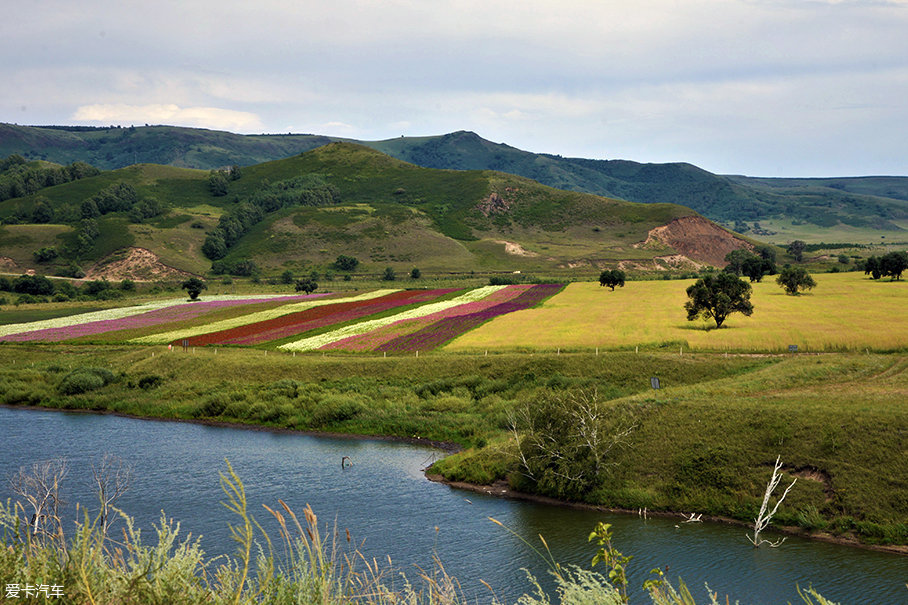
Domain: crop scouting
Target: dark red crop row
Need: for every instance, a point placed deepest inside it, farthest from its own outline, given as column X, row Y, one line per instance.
column 310, row 319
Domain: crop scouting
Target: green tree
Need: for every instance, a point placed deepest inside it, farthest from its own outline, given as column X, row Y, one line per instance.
column 346, row 263
column 612, row 278
column 893, row 264
column 287, row 277
column 89, row 209
column 415, row 273
column 794, row 280
column 217, row 183
column 42, row 212
column 307, row 285
column 717, row 296
column 194, row 287
column 43, row 255
column 796, row 249
column 389, row 275
column 735, row 260
column 754, row 268
column 872, row 268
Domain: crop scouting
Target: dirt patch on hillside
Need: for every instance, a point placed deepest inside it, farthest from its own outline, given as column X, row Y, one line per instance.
column 137, row 264
column 8, row 264
column 697, row 239
column 515, row 249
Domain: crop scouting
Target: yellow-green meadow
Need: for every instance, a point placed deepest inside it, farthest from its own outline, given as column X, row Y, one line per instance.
column 845, row 311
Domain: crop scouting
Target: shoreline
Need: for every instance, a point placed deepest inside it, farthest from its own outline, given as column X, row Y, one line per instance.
column 499, row 489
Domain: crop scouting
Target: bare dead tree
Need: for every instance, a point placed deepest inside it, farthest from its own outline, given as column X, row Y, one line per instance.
column 39, row 486
column 564, row 441
column 111, row 478
column 764, row 517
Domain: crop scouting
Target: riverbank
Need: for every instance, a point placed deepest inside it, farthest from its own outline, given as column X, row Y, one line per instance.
column 498, row 489
column 702, row 443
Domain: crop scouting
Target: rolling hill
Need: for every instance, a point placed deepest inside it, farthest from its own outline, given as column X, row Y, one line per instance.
column 349, row 199
column 860, row 209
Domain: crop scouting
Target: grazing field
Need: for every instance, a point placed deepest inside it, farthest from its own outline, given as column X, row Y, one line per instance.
column 846, row 311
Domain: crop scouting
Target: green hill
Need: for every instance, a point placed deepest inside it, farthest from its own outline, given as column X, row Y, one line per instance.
column 301, row 212
column 861, row 209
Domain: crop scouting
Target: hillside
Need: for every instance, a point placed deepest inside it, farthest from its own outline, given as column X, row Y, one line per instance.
column 349, row 199
column 861, row 209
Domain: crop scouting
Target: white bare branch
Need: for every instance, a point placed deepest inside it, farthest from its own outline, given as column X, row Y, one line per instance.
column 764, row 517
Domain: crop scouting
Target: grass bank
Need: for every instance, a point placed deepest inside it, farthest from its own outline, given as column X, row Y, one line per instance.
column 703, row 443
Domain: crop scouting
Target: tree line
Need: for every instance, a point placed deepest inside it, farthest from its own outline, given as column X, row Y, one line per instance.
column 306, row 190
column 19, row 177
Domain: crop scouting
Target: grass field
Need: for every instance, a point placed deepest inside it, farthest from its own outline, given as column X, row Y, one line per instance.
column 846, row 311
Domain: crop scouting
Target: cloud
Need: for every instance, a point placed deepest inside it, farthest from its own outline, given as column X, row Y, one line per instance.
column 206, row 117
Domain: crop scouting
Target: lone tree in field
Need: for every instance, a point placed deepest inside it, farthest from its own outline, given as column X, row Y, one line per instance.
column 612, row 278
column 194, row 287
column 717, row 296
column 893, row 264
column 794, row 280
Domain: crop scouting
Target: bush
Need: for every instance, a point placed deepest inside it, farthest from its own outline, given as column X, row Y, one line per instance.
column 150, row 382
column 336, row 408
column 83, row 380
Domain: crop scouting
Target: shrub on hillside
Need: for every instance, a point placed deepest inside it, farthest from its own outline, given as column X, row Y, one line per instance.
column 83, row 380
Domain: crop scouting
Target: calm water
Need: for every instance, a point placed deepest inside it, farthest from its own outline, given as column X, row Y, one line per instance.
column 385, row 501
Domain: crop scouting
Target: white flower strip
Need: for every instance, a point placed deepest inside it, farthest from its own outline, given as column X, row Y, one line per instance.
column 315, row 342
column 119, row 313
column 226, row 324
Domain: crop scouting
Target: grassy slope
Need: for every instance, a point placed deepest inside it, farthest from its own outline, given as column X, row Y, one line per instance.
column 867, row 205
column 651, row 314
column 402, row 215
column 392, row 213
column 702, row 442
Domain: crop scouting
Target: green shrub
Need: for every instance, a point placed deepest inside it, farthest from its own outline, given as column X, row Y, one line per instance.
column 150, row 382
column 82, row 380
column 336, row 408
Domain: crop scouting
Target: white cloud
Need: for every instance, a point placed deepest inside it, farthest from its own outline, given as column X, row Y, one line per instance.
column 697, row 80
column 203, row 117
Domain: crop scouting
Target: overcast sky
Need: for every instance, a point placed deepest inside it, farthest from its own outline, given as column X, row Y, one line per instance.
column 757, row 87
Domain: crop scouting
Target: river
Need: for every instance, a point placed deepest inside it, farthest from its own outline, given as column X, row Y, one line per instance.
column 387, row 504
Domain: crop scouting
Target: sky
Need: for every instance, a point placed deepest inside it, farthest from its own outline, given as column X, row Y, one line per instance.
column 755, row 87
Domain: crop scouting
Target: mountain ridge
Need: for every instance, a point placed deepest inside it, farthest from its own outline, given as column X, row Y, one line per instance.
column 761, row 205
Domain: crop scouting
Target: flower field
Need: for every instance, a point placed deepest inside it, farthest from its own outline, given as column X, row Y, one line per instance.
column 314, row 318
column 226, row 324
column 366, row 335
column 138, row 316
column 440, row 332
column 380, row 320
